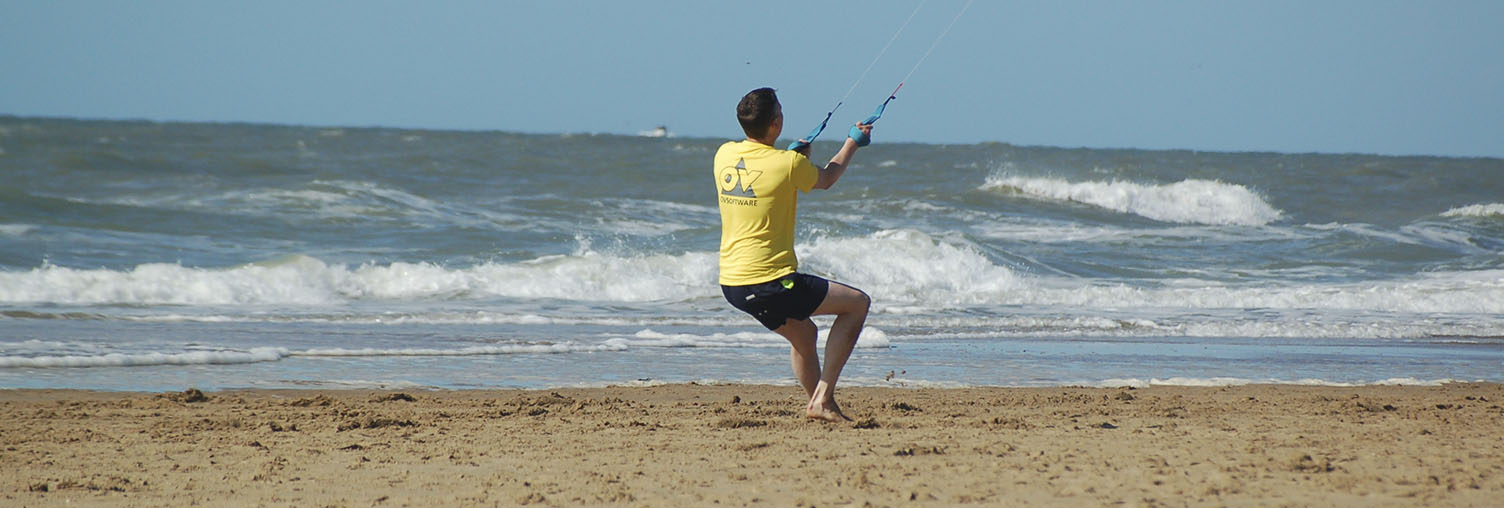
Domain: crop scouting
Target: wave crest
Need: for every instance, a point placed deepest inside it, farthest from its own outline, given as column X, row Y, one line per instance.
column 1189, row 201
column 905, row 271
column 146, row 359
column 304, row 280
column 1480, row 210
column 910, row 266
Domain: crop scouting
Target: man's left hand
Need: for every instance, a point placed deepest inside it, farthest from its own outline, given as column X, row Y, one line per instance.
column 803, row 148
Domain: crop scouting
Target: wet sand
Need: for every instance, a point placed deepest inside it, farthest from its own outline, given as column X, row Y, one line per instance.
column 735, row 445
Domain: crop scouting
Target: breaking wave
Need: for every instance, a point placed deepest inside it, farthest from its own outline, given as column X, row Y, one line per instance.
column 1186, row 202
column 1483, row 210
column 903, row 269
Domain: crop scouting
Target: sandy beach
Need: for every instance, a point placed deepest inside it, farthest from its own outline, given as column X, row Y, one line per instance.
column 734, row 445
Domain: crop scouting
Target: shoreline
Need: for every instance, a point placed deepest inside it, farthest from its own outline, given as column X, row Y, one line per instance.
column 695, row 445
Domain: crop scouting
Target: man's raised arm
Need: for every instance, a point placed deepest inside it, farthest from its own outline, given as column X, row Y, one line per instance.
column 837, row 165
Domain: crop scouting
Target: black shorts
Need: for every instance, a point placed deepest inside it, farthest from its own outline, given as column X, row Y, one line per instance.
column 793, row 296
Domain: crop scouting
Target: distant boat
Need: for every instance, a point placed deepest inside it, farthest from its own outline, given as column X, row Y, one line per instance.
column 660, row 132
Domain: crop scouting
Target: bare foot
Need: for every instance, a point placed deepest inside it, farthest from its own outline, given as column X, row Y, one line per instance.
column 827, row 411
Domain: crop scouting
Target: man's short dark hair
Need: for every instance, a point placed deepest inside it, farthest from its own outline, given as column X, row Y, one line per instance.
column 757, row 110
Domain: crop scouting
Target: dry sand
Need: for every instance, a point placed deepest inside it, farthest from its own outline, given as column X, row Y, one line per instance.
column 694, row 445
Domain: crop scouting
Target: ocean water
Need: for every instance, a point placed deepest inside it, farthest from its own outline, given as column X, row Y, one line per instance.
column 158, row 256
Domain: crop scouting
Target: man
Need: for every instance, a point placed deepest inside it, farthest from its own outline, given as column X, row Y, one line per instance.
column 758, row 268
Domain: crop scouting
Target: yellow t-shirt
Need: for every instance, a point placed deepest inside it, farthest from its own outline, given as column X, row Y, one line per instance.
column 755, row 184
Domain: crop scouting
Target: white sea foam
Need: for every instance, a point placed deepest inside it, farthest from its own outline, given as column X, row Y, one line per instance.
column 1196, row 324
column 300, row 281
column 651, row 338
column 1230, row 381
column 303, row 280
column 1189, row 201
column 1455, row 292
column 1480, row 210
column 1066, row 233
column 921, row 322
column 1368, row 230
column 343, row 384
column 906, row 271
column 16, row 229
column 273, row 354
column 423, row 318
column 324, row 199
column 904, row 381
column 909, row 269
column 593, row 276
column 870, row 338
column 648, row 218
column 143, row 359
column 368, row 201
column 503, row 349
column 1449, row 235
column 910, row 266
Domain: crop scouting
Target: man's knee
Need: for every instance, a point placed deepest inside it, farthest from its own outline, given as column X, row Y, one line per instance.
column 863, row 302
column 855, row 300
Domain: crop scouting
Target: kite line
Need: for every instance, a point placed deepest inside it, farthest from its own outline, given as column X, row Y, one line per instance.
column 856, row 132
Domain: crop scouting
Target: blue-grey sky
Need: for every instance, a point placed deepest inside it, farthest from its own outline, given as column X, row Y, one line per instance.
column 1369, row 76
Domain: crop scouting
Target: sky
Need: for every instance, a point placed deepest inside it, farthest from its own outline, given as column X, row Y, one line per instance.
column 1329, row 76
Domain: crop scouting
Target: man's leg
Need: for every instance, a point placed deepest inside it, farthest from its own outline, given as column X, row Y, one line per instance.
column 850, row 308
column 806, row 360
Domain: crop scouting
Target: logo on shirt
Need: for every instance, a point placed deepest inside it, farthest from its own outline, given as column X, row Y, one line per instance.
column 737, row 181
